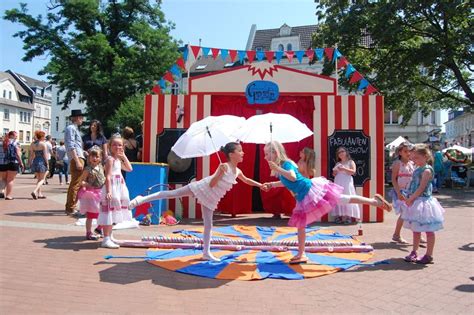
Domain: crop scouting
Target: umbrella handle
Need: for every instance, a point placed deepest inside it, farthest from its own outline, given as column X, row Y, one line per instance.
column 212, row 141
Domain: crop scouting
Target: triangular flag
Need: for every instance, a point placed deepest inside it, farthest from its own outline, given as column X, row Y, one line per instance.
column 289, row 54
column 278, row 55
column 242, row 54
column 370, row 89
column 175, row 70
column 299, row 55
column 269, row 55
column 319, row 53
column 329, row 52
column 180, row 63
column 224, row 54
column 162, row 83
column 195, row 50
column 156, row 89
column 205, row 51
column 251, row 55
column 337, row 54
column 232, row 54
column 310, row 54
column 168, row 77
column 356, row 77
column 215, row 52
column 349, row 70
column 186, row 52
column 342, row 62
column 260, row 55
column 362, row 84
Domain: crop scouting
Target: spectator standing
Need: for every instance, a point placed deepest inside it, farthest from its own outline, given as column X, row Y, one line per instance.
column 3, row 169
column 139, row 140
column 62, row 162
column 95, row 136
column 14, row 162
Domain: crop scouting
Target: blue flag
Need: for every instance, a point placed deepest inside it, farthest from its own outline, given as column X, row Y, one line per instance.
column 175, row 70
column 224, row 53
column 205, row 51
column 349, row 70
column 363, row 84
column 162, row 83
column 319, row 53
column 278, row 55
column 299, row 55
column 185, row 53
column 260, row 55
column 337, row 54
column 242, row 54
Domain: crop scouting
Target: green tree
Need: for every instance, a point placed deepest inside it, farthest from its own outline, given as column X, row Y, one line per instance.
column 107, row 50
column 420, row 53
column 129, row 113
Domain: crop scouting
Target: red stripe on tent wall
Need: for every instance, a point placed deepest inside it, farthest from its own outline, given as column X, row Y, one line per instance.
column 337, row 113
column 324, row 142
column 366, row 128
column 146, row 129
column 199, row 116
column 380, row 148
column 352, row 112
column 160, row 118
column 186, row 124
column 174, row 105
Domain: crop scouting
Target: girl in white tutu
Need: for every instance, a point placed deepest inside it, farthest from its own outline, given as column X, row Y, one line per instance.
column 314, row 197
column 402, row 172
column 92, row 181
column 422, row 212
column 115, row 197
column 208, row 191
column 343, row 171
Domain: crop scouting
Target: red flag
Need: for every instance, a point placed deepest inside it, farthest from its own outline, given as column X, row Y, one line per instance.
column 156, row 89
column 251, row 55
column 180, row 63
column 195, row 50
column 356, row 77
column 329, row 53
column 310, row 54
column 215, row 52
column 370, row 89
column 289, row 54
column 168, row 77
column 269, row 55
column 232, row 54
column 342, row 62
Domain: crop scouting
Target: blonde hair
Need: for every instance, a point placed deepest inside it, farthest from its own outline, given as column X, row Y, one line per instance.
column 278, row 151
column 309, row 158
column 424, row 150
column 95, row 151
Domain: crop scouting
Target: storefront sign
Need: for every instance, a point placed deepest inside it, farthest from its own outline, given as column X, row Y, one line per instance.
column 262, row 92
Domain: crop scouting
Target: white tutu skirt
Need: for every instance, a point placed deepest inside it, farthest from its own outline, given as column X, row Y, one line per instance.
column 424, row 215
column 397, row 203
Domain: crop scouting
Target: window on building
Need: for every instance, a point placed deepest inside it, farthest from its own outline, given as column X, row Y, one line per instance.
column 57, row 99
column 391, row 118
column 175, row 89
column 28, row 118
column 433, row 118
column 20, row 136
column 21, row 116
column 28, row 136
column 4, row 93
column 38, row 111
column 5, row 131
column 289, row 47
column 46, row 113
column 6, row 114
column 281, row 47
column 57, row 123
column 10, row 94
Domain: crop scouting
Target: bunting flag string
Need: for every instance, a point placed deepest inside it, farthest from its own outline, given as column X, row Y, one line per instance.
column 331, row 54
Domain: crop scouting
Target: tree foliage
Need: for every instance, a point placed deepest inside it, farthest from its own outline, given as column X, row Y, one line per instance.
column 129, row 113
column 107, row 50
column 420, row 55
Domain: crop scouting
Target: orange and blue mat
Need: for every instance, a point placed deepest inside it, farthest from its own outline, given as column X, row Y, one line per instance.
column 255, row 264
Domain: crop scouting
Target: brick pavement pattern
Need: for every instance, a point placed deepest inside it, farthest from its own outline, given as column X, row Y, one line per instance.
column 47, row 266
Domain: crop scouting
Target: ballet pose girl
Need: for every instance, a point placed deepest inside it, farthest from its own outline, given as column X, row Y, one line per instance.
column 314, row 197
column 208, row 191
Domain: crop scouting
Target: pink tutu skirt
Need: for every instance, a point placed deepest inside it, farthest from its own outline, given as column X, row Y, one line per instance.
column 321, row 198
column 89, row 199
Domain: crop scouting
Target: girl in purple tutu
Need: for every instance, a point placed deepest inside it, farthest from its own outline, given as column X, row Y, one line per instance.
column 92, row 180
column 314, row 197
column 422, row 212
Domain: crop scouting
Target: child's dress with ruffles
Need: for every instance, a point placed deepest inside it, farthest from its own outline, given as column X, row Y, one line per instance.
column 346, row 181
column 425, row 214
column 89, row 197
column 404, row 176
column 209, row 196
column 314, row 197
column 115, row 210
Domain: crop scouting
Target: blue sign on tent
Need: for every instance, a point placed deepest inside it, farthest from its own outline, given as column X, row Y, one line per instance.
column 262, row 92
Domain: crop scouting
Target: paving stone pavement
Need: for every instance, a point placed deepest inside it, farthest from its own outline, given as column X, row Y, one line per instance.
column 47, row 267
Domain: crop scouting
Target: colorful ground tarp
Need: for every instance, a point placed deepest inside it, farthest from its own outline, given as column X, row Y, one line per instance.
column 253, row 264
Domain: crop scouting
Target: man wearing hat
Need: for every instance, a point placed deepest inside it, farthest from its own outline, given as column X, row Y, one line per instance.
column 73, row 143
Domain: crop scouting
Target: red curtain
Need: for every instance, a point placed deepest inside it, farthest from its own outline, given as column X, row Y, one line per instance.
column 280, row 200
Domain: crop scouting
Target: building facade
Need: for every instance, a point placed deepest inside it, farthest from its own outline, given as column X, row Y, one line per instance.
column 59, row 116
column 16, row 108
column 460, row 128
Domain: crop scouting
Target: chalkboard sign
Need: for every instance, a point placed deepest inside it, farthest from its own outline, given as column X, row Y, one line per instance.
column 358, row 146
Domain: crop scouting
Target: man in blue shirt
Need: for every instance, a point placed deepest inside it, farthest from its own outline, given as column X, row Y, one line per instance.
column 73, row 143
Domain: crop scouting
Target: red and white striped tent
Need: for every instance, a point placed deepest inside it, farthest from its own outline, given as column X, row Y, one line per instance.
column 331, row 112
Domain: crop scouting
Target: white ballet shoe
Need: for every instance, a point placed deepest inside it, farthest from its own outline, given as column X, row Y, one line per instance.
column 135, row 202
column 108, row 243
column 210, row 257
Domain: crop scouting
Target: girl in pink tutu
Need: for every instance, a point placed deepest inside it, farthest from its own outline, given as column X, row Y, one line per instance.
column 314, row 197
column 208, row 191
column 92, row 180
column 422, row 212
